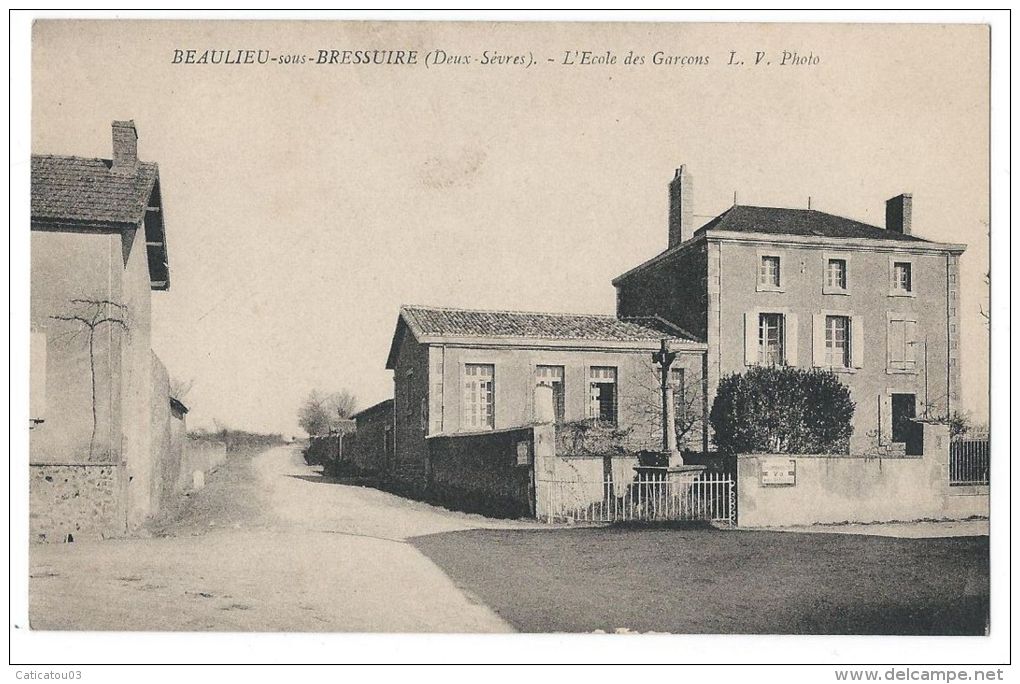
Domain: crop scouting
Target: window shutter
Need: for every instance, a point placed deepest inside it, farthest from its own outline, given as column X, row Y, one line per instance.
column 818, row 339
column 790, row 343
column 857, row 341
column 910, row 342
column 885, row 420
column 750, row 338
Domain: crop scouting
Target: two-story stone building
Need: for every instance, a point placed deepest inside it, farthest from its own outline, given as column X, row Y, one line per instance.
column 754, row 285
column 879, row 306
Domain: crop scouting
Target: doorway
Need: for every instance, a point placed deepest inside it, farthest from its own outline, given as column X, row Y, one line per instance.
column 904, row 429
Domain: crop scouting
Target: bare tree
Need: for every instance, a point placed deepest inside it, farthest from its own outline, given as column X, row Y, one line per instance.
column 343, row 404
column 90, row 315
column 687, row 402
column 321, row 412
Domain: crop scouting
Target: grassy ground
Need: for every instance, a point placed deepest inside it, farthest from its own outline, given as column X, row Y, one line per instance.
column 713, row 581
column 233, row 497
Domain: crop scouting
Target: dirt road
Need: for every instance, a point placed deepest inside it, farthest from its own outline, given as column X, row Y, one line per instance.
column 268, row 545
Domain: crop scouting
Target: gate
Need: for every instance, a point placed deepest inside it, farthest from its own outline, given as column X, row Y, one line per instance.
column 968, row 462
column 710, row 497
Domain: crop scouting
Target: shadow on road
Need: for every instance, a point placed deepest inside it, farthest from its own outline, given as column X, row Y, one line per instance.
column 706, row 581
column 329, row 479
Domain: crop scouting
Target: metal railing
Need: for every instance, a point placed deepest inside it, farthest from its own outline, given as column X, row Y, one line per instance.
column 711, row 496
column 969, row 462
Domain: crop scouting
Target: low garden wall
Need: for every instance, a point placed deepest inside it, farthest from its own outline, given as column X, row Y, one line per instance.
column 486, row 472
column 74, row 501
column 785, row 489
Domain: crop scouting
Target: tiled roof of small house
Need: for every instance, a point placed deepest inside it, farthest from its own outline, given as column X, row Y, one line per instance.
column 779, row 221
column 77, row 189
column 447, row 322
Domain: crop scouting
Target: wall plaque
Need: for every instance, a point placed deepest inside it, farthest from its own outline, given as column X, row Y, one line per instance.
column 776, row 472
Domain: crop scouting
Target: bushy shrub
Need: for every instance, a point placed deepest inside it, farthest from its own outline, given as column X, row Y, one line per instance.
column 778, row 409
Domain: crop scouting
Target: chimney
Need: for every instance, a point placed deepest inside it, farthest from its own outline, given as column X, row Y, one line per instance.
column 897, row 213
column 125, row 147
column 681, row 207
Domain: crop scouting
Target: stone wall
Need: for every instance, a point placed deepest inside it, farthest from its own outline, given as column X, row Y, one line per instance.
column 166, row 460
column 833, row 489
column 484, row 472
column 74, row 501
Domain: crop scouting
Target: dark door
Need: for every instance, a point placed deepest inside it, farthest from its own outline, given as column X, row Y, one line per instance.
column 904, row 429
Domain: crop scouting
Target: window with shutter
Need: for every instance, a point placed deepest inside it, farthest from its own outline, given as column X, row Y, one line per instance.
column 837, row 341
column 771, row 339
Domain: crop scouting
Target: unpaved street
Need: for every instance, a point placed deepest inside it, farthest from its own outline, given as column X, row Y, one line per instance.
column 268, row 545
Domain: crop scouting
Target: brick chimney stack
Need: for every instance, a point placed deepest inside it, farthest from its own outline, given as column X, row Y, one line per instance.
column 681, row 207
column 125, row 147
column 898, row 212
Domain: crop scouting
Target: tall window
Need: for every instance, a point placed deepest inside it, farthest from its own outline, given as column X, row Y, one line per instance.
column 770, row 339
column 553, row 377
column 837, row 341
column 835, row 274
column 768, row 271
column 902, row 277
column 602, row 394
column 479, row 399
column 901, row 344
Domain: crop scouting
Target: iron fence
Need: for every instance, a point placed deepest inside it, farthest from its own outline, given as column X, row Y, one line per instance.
column 968, row 462
column 710, row 496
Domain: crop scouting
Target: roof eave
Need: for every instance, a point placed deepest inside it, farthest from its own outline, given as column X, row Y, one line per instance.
column 920, row 245
column 158, row 257
column 698, row 237
column 561, row 343
column 80, row 225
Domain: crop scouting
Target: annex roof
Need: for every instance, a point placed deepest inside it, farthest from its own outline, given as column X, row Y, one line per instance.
column 436, row 324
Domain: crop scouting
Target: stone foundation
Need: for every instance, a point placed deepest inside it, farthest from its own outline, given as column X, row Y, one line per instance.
column 73, row 501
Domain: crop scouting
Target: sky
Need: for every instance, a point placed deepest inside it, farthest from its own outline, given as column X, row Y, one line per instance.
column 305, row 203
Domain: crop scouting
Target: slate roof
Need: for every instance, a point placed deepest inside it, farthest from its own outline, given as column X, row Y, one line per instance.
column 78, row 189
column 778, row 221
column 446, row 322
